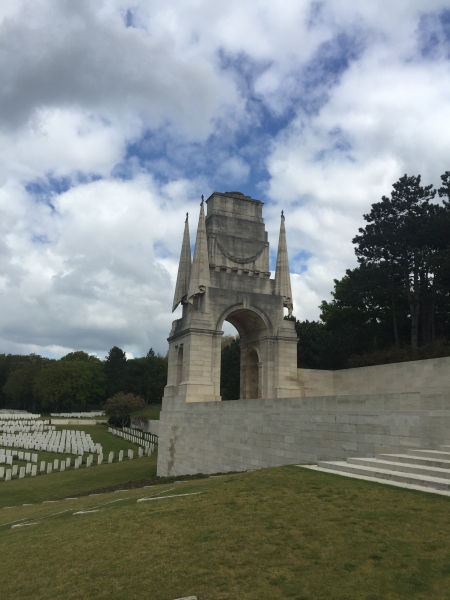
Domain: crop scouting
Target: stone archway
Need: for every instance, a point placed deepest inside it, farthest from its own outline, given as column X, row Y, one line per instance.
column 179, row 365
column 251, row 385
column 229, row 279
column 253, row 328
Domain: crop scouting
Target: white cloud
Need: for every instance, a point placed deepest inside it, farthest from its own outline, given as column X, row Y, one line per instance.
column 334, row 99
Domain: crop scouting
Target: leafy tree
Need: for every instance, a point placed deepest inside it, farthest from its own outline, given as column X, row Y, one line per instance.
column 19, row 373
column 230, row 370
column 115, row 368
column 82, row 356
column 140, row 422
column 147, row 376
column 64, row 383
column 121, row 405
column 406, row 238
column 19, row 386
column 95, row 365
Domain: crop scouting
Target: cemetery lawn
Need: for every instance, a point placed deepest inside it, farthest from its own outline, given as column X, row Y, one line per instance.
column 151, row 411
column 100, row 435
column 274, row 534
column 74, row 481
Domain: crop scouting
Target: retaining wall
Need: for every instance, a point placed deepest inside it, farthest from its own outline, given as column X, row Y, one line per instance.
column 431, row 375
column 209, row 437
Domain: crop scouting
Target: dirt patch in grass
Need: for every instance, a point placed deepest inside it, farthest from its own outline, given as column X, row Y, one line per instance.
column 151, row 481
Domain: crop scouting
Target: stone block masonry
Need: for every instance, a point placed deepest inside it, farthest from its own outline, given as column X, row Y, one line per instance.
column 431, row 375
column 211, row 437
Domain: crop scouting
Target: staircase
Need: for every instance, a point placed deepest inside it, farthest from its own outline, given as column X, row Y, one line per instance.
column 426, row 470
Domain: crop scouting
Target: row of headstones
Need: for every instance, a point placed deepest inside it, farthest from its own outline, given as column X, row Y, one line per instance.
column 15, row 415
column 48, row 468
column 6, row 459
column 65, row 442
column 150, row 437
column 19, row 427
column 77, row 415
column 131, row 438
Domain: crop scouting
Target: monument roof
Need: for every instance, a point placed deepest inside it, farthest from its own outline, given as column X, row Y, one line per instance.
column 237, row 195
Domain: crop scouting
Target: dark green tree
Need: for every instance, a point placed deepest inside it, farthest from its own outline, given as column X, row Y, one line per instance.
column 120, row 406
column 115, row 367
column 147, row 377
column 82, row 356
column 62, row 384
column 405, row 237
column 230, row 370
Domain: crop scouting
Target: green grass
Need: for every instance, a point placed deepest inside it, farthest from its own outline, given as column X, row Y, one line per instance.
column 151, row 411
column 74, row 481
column 285, row 533
column 100, row 435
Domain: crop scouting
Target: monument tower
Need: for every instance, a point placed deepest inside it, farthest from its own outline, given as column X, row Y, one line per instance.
column 228, row 279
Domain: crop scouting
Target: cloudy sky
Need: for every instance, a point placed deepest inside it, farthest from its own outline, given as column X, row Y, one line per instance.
column 115, row 117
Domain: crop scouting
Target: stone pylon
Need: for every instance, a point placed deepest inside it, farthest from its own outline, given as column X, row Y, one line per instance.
column 184, row 268
column 200, row 278
column 230, row 281
column 282, row 275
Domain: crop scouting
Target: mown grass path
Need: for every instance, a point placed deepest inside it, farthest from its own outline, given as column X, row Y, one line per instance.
column 265, row 535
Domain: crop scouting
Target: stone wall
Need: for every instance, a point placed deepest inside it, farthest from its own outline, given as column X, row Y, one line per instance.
column 431, row 375
column 209, row 437
column 152, row 426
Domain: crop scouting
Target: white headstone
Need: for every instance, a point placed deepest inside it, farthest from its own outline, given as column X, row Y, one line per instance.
column 120, row 455
column 28, row 468
column 42, row 467
column 49, row 467
column 14, row 470
column 2, row 472
column 22, row 473
column 34, row 471
column 34, row 458
column 63, row 466
column 111, row 457
column 55, row 463
column 67, row 462
column 8, row 475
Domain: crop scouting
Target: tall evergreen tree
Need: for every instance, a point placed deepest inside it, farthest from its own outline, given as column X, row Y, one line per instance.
column 405, row 237
column 116, row 371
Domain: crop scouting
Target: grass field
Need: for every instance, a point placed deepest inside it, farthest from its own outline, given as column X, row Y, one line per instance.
column 99, row 434
column 74, row 481
column 151, row 411
column 264, row 535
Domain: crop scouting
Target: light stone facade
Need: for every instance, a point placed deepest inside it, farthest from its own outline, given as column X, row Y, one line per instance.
column 429, row 376
column 229, row 279
column 237, row 435
column 286, row 415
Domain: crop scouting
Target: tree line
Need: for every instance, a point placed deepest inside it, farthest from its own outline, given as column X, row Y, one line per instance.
column 395, row 305
column 78, row 380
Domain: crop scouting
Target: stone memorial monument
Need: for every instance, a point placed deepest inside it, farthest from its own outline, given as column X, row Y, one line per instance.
column 229, row 279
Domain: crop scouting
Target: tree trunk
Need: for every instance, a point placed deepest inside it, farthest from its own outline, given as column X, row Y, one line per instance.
column 414, row 309
column 394, row 320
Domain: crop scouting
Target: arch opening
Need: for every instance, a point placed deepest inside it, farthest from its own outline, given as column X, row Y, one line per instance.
column 253, row 341
column 179, row 366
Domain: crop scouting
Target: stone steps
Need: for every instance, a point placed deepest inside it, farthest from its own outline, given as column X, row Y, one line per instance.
column 415, row 460
column 423, row 469
column 410, row 478
column 402, row 467
column 429, row 453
